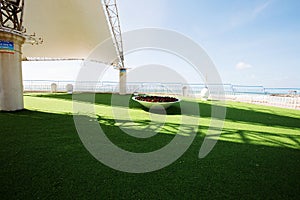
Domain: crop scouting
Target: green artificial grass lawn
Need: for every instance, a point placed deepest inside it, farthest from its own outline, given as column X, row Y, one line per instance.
column 42, row 157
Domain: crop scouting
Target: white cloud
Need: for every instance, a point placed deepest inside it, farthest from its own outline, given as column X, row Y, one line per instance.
column 253, row 76
column 245, row 16
column 260, row 8
column 242, row 66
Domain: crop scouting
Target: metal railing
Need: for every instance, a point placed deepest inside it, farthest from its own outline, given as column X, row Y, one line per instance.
column 280, row 97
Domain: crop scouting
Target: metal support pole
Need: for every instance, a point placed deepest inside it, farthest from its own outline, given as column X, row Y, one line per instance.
column 122, row 81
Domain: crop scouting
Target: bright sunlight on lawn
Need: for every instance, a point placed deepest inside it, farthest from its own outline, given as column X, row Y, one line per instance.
column 257, row 156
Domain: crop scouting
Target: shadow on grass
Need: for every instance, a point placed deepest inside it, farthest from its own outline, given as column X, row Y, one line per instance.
column 285, row 140
column 42, row 157
column 232, row 114
column 253, row 116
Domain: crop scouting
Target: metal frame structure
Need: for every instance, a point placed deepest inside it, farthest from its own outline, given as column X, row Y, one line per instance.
column 114, row 21
column 12, row 14
column 49, row 59
column 11, row 20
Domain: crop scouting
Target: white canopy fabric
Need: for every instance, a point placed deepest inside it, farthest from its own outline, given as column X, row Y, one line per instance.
column 69, row 29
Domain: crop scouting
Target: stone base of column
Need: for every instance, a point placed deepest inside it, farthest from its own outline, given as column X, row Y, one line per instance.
column 11, row 82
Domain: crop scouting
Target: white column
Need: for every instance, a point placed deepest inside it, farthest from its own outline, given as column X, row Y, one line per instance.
column 11, row 83
column 122, row 81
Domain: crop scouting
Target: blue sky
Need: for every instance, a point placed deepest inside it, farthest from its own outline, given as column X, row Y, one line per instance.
column 253, row 42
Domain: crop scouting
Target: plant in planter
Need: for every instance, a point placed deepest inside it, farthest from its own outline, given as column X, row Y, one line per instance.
column 156, row 102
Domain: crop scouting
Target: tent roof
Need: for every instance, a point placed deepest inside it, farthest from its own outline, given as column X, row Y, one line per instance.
column 69, row 28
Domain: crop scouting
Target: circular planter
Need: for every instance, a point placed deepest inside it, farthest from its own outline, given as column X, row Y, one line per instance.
column 158, row 102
